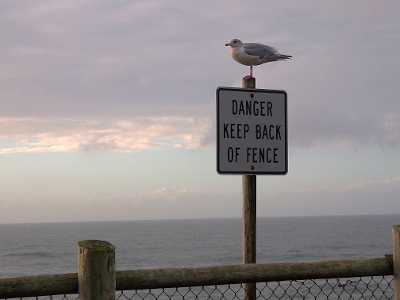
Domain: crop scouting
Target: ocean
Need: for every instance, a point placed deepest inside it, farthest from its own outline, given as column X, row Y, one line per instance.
column 51, row 248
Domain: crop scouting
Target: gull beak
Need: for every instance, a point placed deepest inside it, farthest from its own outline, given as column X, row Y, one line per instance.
column 227, row 44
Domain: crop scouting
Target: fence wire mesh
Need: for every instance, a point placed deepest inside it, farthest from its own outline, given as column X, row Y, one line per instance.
column 376, row 287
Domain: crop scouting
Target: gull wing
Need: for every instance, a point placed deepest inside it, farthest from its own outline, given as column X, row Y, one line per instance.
column 262, row 51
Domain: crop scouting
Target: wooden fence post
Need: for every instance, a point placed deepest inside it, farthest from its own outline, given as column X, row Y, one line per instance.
column 96, row 270
column 249, row 215
column 396, row 261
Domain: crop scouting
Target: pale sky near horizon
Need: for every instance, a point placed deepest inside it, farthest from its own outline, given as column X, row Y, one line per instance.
column 108, row 108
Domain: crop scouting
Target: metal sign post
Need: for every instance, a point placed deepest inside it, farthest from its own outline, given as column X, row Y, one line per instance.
column 251, row 139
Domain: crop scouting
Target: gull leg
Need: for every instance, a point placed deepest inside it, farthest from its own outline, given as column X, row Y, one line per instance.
column 247, row 77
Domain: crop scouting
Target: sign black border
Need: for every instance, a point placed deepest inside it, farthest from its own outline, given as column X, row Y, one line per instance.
column 218, row 130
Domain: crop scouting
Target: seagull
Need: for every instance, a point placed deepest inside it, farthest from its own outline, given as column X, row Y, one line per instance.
column 253, row 54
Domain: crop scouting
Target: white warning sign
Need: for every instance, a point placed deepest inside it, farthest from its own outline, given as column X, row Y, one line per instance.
column 251, row 131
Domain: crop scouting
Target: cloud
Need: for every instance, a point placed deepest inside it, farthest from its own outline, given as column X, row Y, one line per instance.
column 378, row 197
column 345, row 96
column 71, row 135
column 368, row 183
column 362, row 198
column 359, row 185
column 103, row 60
column 163, row 203
column 162, row 195
column 362, row 185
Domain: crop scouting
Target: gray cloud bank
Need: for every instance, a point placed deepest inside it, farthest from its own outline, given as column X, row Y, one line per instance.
column 74, row 72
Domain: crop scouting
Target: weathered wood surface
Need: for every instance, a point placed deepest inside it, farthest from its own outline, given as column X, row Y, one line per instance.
column 249, row 219
column 249, row 215
column 157, row 278
column 249, row 206
column 41, row 285
column 96, row 270
column 396, row 261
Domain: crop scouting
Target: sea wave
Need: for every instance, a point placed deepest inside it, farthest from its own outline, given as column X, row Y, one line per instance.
column 35, row 254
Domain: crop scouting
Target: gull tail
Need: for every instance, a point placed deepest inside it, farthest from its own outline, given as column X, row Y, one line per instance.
column 284, row 56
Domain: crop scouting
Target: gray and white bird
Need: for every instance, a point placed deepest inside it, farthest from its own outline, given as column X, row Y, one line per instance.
column 253, row 54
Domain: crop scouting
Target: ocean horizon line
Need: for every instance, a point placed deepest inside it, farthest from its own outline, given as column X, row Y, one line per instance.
column 192, row 219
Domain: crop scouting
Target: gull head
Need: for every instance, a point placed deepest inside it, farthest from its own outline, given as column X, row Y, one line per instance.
column 234, row 43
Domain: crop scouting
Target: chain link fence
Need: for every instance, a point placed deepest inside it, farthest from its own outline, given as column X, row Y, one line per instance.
column 375, row 287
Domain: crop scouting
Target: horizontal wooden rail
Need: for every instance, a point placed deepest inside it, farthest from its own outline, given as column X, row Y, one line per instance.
column 159, row 278
column 43, row 285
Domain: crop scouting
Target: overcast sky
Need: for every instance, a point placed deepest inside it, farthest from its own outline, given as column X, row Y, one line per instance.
column 108, row 107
